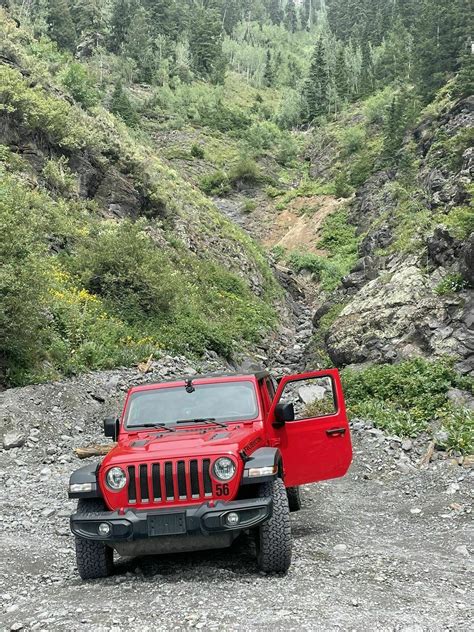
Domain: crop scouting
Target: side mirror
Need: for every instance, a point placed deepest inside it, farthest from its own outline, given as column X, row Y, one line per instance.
column 111, row 428
column 283, row 413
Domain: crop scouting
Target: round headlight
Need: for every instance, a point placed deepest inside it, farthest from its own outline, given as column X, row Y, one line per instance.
column 116, row 479
column 224, row 468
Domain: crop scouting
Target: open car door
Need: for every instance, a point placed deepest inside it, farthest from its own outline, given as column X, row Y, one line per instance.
column 316, row 444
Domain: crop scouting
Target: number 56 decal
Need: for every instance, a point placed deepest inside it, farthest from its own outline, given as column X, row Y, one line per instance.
column 222, row 490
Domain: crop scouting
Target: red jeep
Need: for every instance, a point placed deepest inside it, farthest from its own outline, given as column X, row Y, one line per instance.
column 200, row 460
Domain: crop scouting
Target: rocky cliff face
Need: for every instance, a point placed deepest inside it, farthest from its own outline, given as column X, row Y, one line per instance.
column 403, row 301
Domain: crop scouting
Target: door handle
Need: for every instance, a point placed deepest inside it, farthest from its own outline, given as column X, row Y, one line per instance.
column 336, row 432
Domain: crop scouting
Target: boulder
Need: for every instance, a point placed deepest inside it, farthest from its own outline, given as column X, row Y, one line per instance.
column 386, row 316
column 13, row 439
column 309, row 393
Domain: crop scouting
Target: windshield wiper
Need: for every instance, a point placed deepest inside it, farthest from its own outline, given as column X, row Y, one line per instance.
column 163, row 426
column 204, row 420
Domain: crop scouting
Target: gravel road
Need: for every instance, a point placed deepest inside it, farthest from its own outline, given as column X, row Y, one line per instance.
column 386, row 548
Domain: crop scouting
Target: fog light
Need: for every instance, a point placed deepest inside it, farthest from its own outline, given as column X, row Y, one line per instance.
column 104, row 529
column 232, row 519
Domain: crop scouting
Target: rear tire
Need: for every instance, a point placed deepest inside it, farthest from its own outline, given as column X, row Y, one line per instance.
column 274, row 536
column 94, row 559
column 294, row 498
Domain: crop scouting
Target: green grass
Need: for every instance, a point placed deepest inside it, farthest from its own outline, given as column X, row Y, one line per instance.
column 411, row 397
column 338, row 238
column 451, row 284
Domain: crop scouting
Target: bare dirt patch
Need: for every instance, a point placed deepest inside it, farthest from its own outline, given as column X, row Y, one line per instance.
column 298, row 226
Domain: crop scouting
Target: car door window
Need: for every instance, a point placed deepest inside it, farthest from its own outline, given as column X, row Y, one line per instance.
column 311, row 398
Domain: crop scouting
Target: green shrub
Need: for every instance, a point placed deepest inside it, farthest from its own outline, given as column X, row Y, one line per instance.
column 287, row 150
column 450, row 284
column 245, row 170
column 216, row 183
column 80, row 84
column 342, row 188
column 60, row 177
column 460, row 220
column 352, row 139
column 249, row 206
column 278, row 252
column 329, row 271
column 197, row 151
column 262, row 135
column 23, row 278
column 121, row 105
column 338, row 235
column 458, row 423
column 121, row 264
column 40, row 112
column 403, row 398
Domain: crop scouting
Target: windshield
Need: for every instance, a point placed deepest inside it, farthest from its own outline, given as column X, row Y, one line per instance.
column 227, row 401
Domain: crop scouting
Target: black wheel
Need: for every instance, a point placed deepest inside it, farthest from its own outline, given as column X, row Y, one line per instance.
column 294, row 498
column 94, row 559
column 274, row 536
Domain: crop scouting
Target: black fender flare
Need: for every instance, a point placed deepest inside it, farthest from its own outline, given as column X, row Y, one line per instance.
column 86, row 476
column 263, row 458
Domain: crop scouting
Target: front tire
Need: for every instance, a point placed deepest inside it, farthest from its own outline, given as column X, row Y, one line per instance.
column 274, row 536
column 94, row 559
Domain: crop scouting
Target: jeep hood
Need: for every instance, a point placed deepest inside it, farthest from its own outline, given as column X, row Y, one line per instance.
column 187, row 441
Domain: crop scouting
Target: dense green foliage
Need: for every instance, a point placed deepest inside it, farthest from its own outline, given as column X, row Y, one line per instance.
column 80, row 290
column 240, row 89
column 405, row 397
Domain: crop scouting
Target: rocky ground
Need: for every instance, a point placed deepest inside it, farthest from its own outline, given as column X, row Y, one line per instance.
column 388, row 547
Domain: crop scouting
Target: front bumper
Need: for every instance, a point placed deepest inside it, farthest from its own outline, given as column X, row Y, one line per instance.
column 204, row 519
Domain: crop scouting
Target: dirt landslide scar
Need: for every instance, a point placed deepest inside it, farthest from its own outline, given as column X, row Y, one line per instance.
column 199, row 461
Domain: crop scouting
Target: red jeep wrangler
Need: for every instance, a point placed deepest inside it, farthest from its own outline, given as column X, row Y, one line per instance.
column 200, row 460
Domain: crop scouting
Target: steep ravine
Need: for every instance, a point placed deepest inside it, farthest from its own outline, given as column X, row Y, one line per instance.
column 385, row 547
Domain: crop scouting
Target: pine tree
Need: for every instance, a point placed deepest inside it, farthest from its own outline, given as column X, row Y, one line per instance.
column 122, row 15
column 464, row 85
column 137, row 45
column 402, row 113
column 307, row 14
column 121, row 105
column 61, row 26
column 89, row 16
column 366, row 85
column 315, row 90
column 291, row 18
column 442, row 29
column 275, row 11
column 206, row 42
column 341, row 78
column 269, row 73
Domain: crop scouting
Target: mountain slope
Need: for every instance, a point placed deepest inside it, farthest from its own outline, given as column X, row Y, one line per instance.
column 110, row 255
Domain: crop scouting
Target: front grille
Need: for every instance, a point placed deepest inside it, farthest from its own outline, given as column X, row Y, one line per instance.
column 169, row 481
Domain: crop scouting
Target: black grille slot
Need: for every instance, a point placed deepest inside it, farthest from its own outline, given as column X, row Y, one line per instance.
column 182, row 480
column 144, row 493
column 155, row 474
column 132, row 491
column 193, row 468
column 169, row 480
column 207, row 478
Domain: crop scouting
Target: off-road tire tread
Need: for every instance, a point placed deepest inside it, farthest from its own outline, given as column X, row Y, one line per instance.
column 94, row 559
column 274, row 536
column 294, row 498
